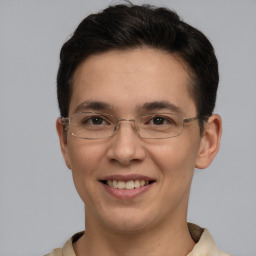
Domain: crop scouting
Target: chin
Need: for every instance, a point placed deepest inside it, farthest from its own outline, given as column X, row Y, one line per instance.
column 128, row 222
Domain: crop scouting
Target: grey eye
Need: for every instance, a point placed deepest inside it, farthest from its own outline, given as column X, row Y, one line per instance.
column 97, row 120
column 94, row 120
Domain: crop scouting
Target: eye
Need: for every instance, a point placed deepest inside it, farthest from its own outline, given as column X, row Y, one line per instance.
column 95, row 121
column 160, row 121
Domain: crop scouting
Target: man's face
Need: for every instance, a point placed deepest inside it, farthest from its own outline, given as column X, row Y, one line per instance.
column 126, row 81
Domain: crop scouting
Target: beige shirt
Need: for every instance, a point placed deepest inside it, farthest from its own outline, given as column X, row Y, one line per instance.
column 205, row 245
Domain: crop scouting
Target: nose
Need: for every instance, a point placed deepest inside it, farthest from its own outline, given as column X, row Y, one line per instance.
column 126, row 145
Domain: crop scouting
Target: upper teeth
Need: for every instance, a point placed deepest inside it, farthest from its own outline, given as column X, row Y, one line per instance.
column 131, row 184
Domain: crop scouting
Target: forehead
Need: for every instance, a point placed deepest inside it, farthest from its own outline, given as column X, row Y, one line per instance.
column 128, row 79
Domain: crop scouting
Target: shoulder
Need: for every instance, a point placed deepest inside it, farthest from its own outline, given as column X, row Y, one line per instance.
column 67, row 249
column 55, row 252
column 205, row 244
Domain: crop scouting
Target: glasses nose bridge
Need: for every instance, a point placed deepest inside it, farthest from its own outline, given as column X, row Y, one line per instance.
column 125, row 120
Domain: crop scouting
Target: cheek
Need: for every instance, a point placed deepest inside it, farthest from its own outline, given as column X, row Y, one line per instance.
column 84, row 159
column 176, row 159
column 84, row 155
column 79, row 159
column 175, row 162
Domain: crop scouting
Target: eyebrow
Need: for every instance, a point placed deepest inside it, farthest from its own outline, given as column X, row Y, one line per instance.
column 148, row 106
column 161, row 105
column 92, row 105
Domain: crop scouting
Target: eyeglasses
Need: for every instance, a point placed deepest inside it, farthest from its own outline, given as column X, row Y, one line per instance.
column 92, row 125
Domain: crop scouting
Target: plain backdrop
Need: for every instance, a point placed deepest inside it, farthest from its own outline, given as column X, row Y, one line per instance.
column 39, row 207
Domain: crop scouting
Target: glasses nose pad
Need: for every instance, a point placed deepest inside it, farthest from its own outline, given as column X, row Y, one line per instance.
column 116, row 127
column 134, row 125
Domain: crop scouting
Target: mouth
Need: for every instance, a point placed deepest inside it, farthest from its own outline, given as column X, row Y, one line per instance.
column 127, row 184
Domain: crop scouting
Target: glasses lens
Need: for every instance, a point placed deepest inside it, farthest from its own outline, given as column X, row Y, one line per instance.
column 159, row 126
column 90, row 125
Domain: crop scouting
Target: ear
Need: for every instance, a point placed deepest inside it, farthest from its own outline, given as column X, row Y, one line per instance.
column 210, row 142
column 63, row 141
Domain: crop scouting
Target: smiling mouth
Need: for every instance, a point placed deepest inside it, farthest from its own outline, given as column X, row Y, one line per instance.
column 127, row 185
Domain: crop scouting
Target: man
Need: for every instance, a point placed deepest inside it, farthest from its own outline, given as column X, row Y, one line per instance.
column 136, row 90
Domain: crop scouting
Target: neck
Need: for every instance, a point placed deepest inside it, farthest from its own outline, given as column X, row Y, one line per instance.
column 172, row 239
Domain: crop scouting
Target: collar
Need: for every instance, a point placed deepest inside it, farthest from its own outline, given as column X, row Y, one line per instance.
column 205, row 244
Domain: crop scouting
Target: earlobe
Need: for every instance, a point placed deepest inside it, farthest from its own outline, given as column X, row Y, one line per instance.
column 63, row 142
column 210, row 142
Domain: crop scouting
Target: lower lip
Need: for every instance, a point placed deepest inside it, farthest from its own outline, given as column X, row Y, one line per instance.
column 127, row 193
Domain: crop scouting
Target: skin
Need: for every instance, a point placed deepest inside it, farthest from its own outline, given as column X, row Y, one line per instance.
column 154, row 223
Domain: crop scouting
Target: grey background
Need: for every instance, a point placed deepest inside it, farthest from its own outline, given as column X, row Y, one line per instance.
column 39, row 208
